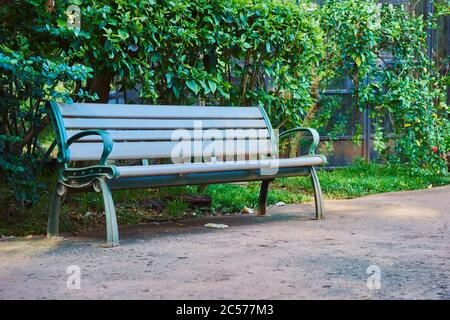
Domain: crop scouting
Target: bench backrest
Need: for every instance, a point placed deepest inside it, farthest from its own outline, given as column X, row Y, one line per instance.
column 153, row 132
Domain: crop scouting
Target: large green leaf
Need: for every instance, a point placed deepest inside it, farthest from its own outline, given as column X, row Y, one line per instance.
column 193, row 85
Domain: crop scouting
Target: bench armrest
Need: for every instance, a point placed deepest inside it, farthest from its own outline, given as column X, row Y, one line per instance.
column 313, row 132
column 106, row 139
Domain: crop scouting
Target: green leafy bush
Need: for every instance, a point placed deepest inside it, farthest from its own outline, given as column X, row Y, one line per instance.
column 31, row 72
column 232, row 52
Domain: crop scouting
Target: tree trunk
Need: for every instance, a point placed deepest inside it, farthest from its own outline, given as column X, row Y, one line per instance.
column 294, row 141
column 315, row 94
column 101, row 84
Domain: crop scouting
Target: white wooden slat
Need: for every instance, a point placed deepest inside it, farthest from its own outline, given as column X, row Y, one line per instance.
column 166, row 169
column 174, row 150
column 126, row 111
column 85, row 123
column 168, row 135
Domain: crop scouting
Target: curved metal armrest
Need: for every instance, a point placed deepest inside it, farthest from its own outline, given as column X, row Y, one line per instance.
column 106, row 138
column 313, row 132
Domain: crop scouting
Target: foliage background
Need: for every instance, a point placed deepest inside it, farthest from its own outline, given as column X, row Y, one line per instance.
column 223, row 52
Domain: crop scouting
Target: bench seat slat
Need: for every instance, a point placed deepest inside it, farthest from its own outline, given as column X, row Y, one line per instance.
column 166, row 135
column 202, row 178
column 167, row 169
column 127, row 111
column 158, row 150
column 82, row 123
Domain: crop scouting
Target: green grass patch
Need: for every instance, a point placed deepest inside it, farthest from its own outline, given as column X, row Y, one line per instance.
column 85, row 211
column 363, row 179
column 231, row 198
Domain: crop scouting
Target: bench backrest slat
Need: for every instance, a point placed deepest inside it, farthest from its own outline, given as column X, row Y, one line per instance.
column 128, row 111
column 160, row 150
column 150, row 132
column 84, row 123
column 166, row 135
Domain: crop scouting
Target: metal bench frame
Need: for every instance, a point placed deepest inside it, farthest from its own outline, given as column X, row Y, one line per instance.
column 104, row 177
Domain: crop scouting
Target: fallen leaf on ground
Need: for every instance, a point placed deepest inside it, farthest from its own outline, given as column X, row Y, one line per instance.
column 89, row 213
column 247, row 210
column 216, row 225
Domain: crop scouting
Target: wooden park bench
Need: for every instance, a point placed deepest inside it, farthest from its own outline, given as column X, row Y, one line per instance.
column 144, row 146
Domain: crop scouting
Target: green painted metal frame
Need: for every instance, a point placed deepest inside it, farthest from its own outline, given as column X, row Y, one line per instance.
column 97, row 177
column 270, row 130
column 104, row 178
column 60, row 131
column 106, row 139
column 313, row 132
column 203, row 178
column 262, row 199
column 318, row 197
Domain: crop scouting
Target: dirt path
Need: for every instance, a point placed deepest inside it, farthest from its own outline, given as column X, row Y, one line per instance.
column 284, row 256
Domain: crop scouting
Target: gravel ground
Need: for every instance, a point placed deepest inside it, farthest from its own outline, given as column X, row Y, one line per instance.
column 283, row 256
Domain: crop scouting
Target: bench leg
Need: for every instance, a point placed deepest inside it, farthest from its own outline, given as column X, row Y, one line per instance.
column 112, row 233
column 53, row 217
column 262, row 201
column 318, row 198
